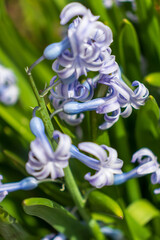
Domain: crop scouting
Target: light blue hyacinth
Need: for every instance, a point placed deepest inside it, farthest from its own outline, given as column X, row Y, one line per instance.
column 43, row 161
column 148, row 164
column 89, row 42
column 118, row 102
column 105, row 162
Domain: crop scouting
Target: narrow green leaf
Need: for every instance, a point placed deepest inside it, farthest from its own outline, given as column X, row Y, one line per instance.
column 17, row 121
column 16, row 161
column 129, row 51
column 100, row 202
column 143, row 211
column 147, row 124
column 11, row 229
column 153, row 79
column 58, row 217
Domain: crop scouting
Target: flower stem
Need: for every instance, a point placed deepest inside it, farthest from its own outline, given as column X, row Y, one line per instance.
column 69, row 179
column 43, row 110
column 80, row 203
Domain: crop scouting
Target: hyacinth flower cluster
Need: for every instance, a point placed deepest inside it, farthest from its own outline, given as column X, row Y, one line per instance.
column 9, row 91
column 85, row 49
column 44, row 162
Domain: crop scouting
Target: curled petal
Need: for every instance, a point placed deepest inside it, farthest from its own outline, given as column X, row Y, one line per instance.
column 63, row 150
column 100, row 178
column 127, row 111
column 143, row 155
column 146, row 168
column 39, row 151
column 113, row 159
column 94, row 149
column 102, row 35
column 155, row 177
column 109, row 122
column 42, row 173
column 65, row 72
column 72, row 10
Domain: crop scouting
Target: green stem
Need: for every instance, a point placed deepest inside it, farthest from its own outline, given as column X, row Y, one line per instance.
column 80, row 203
column 69, row 179
column 43, row 110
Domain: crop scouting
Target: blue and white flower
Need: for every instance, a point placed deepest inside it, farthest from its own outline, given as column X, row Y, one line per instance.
column 89, row 43
column 148, row 164
column 43, row 161
column 118, row 102
column 106, row 163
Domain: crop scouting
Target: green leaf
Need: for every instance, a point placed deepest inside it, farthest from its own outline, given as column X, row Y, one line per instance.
column 58, row 217
column 11, row 229
column 17, row 121
column 100, row 202
column 143, row 211
column 102, row 217
column 129, row 51
column 147, row 124
column 149, row 32
column 136, row 230
column 153, row 79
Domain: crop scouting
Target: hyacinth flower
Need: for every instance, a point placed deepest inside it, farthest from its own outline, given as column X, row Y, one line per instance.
column 147, row 165
column 106, row 163
column 43, row 161
column 89, row 43
column 9, row 91
column 28, row 183
column 85, row 48
column 118, row 102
